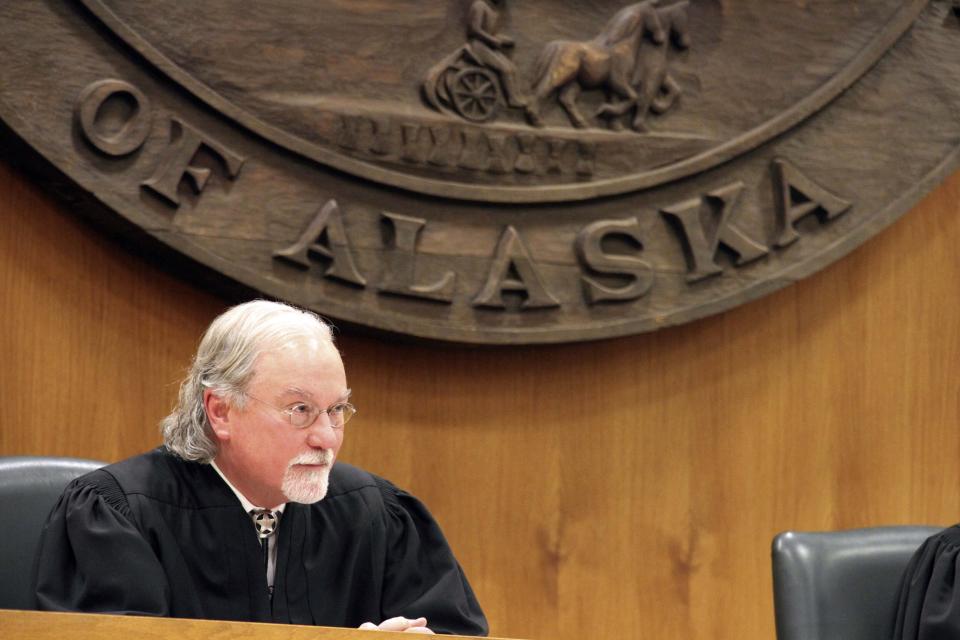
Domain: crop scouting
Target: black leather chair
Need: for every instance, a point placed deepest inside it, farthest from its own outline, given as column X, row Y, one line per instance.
column 29, row 487
column 841, row 585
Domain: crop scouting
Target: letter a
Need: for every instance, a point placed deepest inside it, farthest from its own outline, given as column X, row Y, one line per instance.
column 512, row 256
column 327, row 222
column 797, row 196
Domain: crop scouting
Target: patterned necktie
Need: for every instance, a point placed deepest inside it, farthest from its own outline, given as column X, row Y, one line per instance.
column 265, row 522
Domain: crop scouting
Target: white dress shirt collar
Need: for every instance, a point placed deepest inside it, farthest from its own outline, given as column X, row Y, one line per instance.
column 247, row 505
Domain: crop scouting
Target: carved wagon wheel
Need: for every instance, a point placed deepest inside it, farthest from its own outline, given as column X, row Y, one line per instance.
column 476, row 94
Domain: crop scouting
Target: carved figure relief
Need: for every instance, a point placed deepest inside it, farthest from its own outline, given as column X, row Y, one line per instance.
column 628, row 61
column 475, row 80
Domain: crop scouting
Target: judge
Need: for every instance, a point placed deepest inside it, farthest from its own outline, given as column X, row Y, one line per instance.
column 244, row 514
column 929, row 607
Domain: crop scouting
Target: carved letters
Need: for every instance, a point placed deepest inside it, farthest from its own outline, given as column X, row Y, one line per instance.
column 327, row 224
column 593, row 258
column 176, row 162
column 512, row 269
column 125, row 139
column 798, row 196
column 701, row 224
column 466, row 147
column 401, row 263
column 701, row 238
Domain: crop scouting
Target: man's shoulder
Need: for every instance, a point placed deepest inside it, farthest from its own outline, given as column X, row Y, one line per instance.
column 346, row 478
column 375, row 491
column 950, row 535
column 137, row 471
column 160, row 475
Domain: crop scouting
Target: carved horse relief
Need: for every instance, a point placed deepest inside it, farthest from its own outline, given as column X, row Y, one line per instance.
column 606, row 62
column 628, row 60
column 656, row 89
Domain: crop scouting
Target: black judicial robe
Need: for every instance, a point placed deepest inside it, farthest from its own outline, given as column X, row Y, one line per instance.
column 156, row 535
column 929, row 607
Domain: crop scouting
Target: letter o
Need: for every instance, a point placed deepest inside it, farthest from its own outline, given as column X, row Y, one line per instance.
column 133, row 133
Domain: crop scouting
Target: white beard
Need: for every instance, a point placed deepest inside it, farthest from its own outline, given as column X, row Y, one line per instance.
column 307, row 486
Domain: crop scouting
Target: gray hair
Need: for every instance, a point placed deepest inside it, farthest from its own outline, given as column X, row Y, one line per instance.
column 225, row 364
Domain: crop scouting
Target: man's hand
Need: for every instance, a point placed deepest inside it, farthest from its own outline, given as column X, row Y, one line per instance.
column 406, row 625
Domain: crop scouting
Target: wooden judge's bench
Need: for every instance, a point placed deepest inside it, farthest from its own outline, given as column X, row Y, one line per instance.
column 44, row 625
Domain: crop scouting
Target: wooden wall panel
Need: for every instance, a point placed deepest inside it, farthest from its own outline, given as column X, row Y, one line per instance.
column 625, row 487
column 93, row 340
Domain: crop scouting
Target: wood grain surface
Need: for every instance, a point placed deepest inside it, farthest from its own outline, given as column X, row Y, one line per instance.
column 45, row 625
column 627, row 487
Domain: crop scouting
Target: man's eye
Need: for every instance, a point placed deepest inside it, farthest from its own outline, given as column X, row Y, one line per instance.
column 300, row 409
column 337, row 408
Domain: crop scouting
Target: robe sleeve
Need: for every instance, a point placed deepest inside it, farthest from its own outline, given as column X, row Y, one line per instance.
column 929, row 606
column 93, row 558
column 422, row 576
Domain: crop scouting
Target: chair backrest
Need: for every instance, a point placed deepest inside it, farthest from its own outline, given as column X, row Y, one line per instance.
column 841, row 585
column 29, row 487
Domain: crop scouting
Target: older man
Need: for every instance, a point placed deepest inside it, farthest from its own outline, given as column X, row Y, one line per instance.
column 243, row 515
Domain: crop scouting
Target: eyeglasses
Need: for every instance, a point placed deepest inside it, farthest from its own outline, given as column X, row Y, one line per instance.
column 301, row 415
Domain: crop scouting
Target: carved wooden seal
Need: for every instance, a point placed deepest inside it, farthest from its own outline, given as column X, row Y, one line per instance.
column 493, row 172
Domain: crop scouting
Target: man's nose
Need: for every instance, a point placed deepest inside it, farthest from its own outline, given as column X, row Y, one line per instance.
column 321, row 434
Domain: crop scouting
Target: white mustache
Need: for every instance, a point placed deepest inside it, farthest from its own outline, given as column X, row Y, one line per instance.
column 324, row 457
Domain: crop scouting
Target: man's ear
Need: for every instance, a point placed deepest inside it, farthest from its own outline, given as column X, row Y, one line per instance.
column 218, row 413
